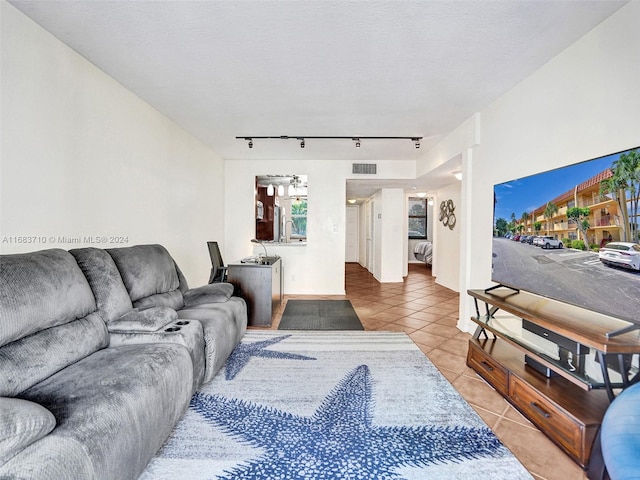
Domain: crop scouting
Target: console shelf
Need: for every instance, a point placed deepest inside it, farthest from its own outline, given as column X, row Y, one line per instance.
column 584, row 366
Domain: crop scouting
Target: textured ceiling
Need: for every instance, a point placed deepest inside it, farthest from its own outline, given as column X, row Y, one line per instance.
column 222, row 69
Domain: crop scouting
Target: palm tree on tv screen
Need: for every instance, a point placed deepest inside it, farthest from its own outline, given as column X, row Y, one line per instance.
column 549, row 211
column 580, row 217
column 627, row 170
column 615, row 188
column 537, row 226
column 626, row 180
column 525, row 218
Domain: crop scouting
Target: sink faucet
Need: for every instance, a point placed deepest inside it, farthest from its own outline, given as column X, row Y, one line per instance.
column 253, row 240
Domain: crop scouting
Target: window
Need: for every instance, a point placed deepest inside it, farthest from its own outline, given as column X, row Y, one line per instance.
column 299, row 218
column 417, row 217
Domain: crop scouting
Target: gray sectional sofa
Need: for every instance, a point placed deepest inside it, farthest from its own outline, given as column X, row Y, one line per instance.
column 100, row 353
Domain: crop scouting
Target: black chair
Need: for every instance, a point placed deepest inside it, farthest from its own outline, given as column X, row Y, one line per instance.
column 218, row 270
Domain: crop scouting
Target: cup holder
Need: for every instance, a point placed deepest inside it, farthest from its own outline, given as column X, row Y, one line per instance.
column 172, row 329
column 183, row 322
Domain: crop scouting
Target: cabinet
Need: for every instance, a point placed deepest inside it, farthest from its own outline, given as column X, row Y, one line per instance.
column 553, row 362
column 260, row 285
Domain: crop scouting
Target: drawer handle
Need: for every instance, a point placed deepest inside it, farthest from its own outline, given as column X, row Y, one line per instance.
column 540, row 410
column 487, row 366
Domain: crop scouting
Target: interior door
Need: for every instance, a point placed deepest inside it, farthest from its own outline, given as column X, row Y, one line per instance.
column 351, row 234
column 370, row 236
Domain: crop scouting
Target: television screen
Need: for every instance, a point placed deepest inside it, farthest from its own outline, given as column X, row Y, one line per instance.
column 572, row 234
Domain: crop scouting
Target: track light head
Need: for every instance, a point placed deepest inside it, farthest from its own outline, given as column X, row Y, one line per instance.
column 250, row 143
column 302, row 143
column 357, row 140
column 417, row 142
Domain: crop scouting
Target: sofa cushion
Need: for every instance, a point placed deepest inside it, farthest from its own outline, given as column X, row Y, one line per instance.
column 31, row 359
column 48, row 458
column 39, row 290
column 120, row 404
column 150, row 320
column 146, row 270
column 112, row 298
column 212, row 293
column 23, row 423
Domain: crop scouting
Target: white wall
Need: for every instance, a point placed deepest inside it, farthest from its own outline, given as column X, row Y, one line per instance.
column 392, row 225
column 582, row 104
column 446, row 261
column 318, row 267
column 81, row 156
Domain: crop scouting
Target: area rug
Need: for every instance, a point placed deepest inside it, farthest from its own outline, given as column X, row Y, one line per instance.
column 331, row 405
column 319, row 315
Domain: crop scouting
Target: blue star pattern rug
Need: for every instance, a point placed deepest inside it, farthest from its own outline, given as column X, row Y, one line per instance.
column 242, row 354
column 370, row 406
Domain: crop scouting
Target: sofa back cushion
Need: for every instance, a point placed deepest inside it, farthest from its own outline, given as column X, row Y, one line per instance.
column 112, row 298
column 39, row 290
column 47, row 318
column 150, row 276
column 26, row 362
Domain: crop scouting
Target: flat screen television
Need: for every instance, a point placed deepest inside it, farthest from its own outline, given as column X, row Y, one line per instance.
column 576, row 210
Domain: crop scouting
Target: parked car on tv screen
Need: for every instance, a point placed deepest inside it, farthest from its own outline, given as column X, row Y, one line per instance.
column 547, row 241
column 622, row 254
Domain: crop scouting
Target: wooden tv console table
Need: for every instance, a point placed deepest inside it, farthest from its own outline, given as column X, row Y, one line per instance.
column 546, row 358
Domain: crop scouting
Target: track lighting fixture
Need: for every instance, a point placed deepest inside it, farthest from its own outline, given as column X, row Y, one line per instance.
column 302, row 139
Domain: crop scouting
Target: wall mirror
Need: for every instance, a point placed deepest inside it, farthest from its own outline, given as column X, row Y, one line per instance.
column 281, row 208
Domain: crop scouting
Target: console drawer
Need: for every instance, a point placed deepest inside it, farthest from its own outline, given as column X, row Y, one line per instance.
column 488, row 368
column 550, row 418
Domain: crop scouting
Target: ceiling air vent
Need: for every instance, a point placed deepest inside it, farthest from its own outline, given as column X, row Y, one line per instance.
column 366, row 168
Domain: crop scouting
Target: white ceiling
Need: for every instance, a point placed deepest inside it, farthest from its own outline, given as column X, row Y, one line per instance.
column 222, row 69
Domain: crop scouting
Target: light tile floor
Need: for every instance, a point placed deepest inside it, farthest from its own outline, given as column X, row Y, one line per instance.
column 428, row 313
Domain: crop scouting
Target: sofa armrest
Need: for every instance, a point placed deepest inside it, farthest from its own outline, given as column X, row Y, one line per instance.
column 23, row 422
column 185, row 332
column 149, row 320
column 211, row 293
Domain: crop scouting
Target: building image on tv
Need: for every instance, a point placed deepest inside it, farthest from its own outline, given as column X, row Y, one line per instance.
column 613, row 212
column 551, row 232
